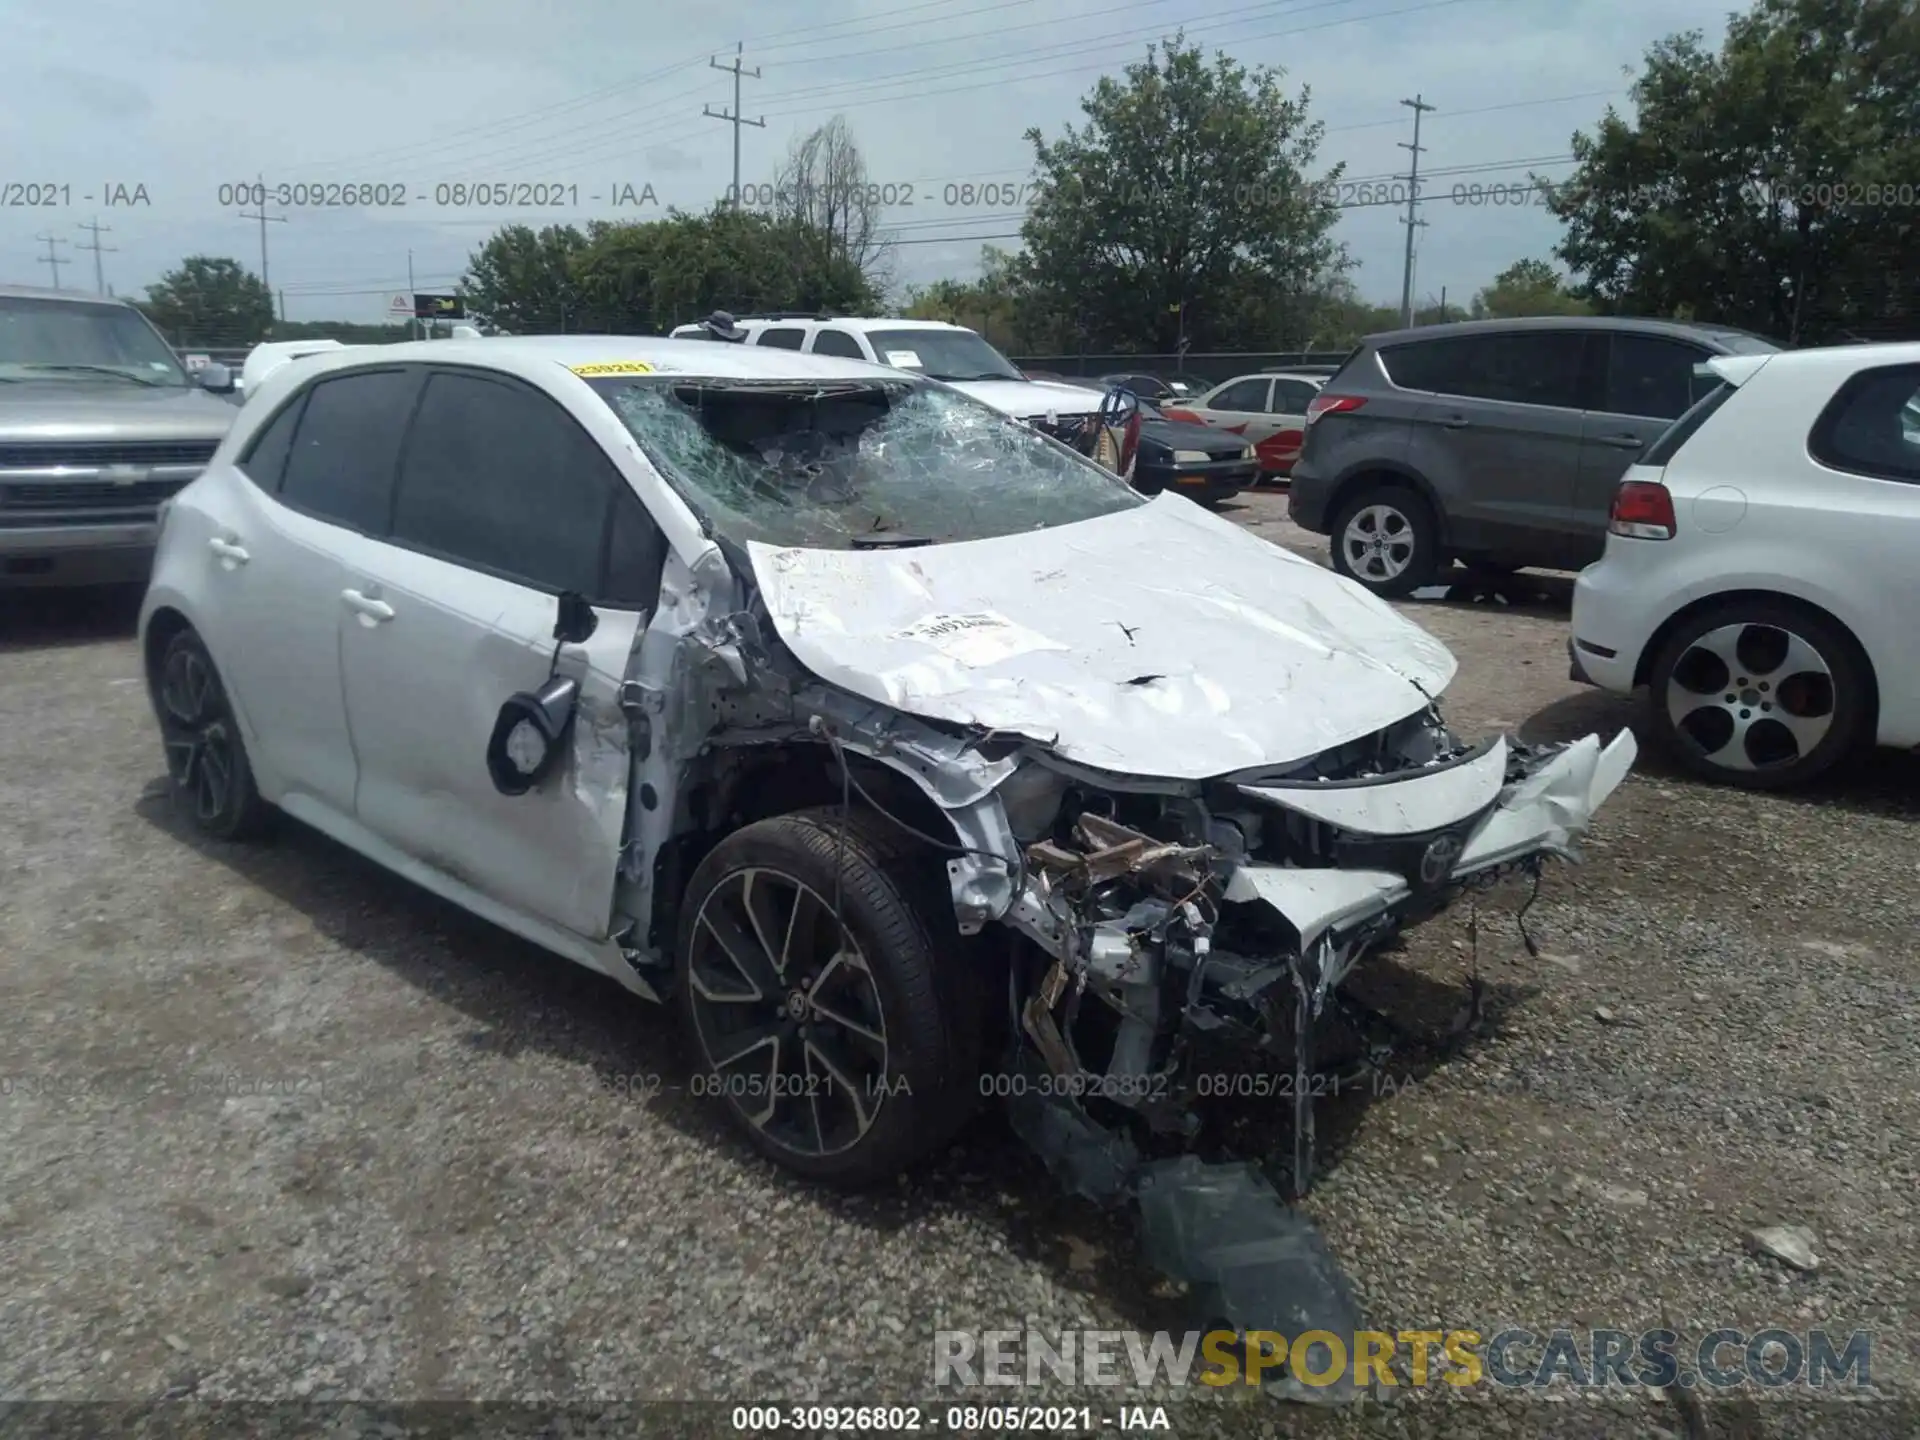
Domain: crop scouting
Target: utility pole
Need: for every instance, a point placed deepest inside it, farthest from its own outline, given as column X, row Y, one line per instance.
column 52, row 258
column 1419, row 107
column 264, row 218
column 99, row 275
column 732, row 117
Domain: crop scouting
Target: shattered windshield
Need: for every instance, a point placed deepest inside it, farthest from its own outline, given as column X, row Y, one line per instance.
column 837, row 465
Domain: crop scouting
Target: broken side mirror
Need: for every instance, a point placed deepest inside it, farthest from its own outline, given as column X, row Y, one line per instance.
column 577, row 619
column 530, row 735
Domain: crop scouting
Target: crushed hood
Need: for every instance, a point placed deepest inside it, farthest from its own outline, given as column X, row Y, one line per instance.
column 1031, row 399
column 1159, row 641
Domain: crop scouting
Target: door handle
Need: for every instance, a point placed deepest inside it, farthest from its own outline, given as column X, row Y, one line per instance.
column 1455, row 422
column 1623, row 442
column 374, row 612
column 227, row 550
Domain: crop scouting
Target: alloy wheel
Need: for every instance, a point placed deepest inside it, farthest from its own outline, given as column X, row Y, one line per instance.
column 787, row 1012
column 1378, row 543
column 1752, row 697
column 199, row 742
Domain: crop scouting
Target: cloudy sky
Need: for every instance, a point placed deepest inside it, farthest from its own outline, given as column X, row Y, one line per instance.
column 136, row 117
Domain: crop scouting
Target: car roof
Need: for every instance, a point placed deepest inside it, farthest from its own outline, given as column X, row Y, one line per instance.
column 534, row 355
column 72, row 297
column 1627, row 324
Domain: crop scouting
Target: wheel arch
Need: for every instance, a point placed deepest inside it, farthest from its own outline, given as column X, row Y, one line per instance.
column 1643, row 666
column 1388, row 472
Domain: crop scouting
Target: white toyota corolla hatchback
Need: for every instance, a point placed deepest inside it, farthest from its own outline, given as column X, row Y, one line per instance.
column 913, row 755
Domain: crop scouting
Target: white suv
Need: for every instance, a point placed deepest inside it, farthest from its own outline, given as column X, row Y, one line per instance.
column 1759, row 574
column 933, row 348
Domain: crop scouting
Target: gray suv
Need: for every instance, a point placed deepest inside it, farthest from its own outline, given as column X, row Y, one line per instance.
column 99, row 423
column 1496, row 442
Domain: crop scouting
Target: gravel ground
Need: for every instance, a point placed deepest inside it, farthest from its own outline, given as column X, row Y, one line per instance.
column 280, row 1125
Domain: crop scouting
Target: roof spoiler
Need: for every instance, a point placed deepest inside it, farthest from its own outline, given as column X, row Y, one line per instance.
column 1734, row 370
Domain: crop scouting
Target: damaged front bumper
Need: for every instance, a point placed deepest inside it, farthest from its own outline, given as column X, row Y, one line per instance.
column 1190, row 947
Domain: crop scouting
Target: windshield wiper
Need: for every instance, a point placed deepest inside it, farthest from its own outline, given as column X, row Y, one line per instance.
column 983, row 375
column 887, row 540
column 92, row 370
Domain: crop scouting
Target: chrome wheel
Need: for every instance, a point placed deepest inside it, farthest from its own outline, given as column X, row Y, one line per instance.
column 787, row 1012
column 1752, row 697
column 198, row 737
column 1378, row 543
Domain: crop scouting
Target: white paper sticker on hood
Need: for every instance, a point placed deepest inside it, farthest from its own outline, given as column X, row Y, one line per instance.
column 982, row 638
column 904, row 359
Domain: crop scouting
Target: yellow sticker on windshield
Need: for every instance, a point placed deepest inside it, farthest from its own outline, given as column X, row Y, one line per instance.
column 614, row 367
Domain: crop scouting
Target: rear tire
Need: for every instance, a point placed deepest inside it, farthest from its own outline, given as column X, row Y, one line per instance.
column 1385, row 537
column 1760, row 693
column 206, row 757
column 844, row 1058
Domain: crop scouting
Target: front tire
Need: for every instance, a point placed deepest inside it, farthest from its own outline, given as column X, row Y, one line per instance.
column 206, row 758
column 1760, row 693
column 1386, row 538
column 844, row 1054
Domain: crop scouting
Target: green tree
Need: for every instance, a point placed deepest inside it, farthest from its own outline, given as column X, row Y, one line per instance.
column 522, row 281
column 210, row 301
column 990, row 304
column 1181, row 209
column 1771, row 185
column 1527, row 287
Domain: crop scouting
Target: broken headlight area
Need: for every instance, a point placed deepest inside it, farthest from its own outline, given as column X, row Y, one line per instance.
column 1190, row 934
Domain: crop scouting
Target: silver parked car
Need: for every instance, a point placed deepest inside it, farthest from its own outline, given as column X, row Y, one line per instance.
column 99, row 423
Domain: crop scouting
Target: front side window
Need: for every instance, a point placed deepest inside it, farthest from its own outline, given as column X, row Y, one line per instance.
column 1652, row 376
column 497, row 476
column 80, row 341
column 1872, row 427
column 347, row 447
column 942, row 354
column 838, row 464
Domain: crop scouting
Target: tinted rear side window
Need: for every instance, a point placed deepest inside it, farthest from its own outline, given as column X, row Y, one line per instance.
column 347, row 447
column 1872, row 427
column 499, row 477
column 837, row 342
column 1663, row 449
column 266, row 459
column 1526, row 367
column 1652, row 376
column 788, row 338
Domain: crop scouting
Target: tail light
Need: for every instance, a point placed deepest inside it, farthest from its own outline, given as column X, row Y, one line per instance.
column 1642, row 510
column 1332, row 405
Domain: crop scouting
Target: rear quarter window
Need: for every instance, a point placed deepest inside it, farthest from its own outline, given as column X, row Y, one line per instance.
column 1872, row 426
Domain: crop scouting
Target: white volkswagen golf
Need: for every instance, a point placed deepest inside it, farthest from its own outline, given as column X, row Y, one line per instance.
column 912, row 754
column 1762, row 570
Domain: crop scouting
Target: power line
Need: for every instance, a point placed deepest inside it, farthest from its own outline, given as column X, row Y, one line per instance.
column 420, row 149
column 1419, row 107
column 265, row 220
column 732, row 117
column 52, row 258
column 540, row 151
column 99, row 274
